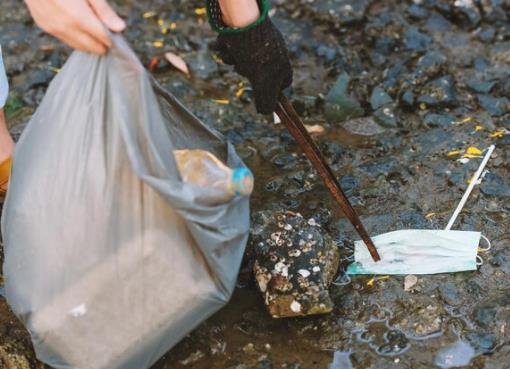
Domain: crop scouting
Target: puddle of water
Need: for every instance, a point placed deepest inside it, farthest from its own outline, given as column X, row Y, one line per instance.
column 458, row 354
column 341, row 360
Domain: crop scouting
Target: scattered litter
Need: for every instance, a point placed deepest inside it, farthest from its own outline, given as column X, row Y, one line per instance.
column 420, row 251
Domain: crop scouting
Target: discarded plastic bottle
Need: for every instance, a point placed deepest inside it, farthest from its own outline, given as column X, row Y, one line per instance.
column 203, row 169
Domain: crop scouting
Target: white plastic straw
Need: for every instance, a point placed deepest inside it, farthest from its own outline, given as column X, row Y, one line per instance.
column 472, row 184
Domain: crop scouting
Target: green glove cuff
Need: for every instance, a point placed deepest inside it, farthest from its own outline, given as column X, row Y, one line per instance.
column 214, row 15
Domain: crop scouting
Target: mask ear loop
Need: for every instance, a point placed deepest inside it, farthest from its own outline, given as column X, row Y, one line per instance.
column 479, row 259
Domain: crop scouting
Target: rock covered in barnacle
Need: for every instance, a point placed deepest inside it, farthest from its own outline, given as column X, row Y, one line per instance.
column 296, row 260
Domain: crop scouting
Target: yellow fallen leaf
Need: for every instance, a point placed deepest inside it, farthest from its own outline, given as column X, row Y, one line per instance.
column 177, row 62
column 466, row 120
column 454, row 153
column 149, row 14
column 429, row 216
column 498, row 134
column 370, row 282
column 164, row 30
column 158, row 44
column 161, row 22
column 240, row 92
column 222, row 101
column 173, row 26
column 200, row 11
column 473, row 151
column 478, row 128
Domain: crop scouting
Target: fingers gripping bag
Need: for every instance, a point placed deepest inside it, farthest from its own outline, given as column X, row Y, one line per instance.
column 110, row 258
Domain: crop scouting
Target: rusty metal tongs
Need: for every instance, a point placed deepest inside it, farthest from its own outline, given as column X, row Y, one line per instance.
column 290, row 118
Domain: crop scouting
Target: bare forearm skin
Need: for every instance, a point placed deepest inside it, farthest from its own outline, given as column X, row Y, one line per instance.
column 239, row 13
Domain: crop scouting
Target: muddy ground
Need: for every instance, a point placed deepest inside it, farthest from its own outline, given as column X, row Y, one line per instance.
column 421, row 82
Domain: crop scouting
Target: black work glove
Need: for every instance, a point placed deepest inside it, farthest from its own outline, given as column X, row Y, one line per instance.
column 257, row 52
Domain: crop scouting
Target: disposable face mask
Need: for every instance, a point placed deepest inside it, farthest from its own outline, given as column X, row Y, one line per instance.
column 418, row 251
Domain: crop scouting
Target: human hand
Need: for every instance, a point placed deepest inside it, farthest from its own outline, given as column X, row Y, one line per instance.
column 257, row 52
column 81, row 24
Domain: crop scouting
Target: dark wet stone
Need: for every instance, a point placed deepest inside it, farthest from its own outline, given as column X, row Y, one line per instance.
column 407, row 99
column 500, row 52
column 430, row 64
column 495, row 106
column 386, row 116
column 377, row 59
column 450, row 293
column 505, row 140
column 290, row 204
column 500, row 260
column 396, row 343
column 458, row 177
column 365, row 126
column 340, row 12
column 304, row 105
column 202, row 64
column 349, row 184
column 486, row 34
column 434, row 139
column 393, row 74
column 439, row 92
column 379, row 98
column 494, row 10
column 485, row 314
column 295, row 261
column 39, row 78
column 285, row 160
column 482, row 342
column 436, row 23
column 417, row 11
column 340, row 105
column 412, row 219
column 385, row 44
column 505, row 88
column 480, row 86
column 470, row 14
column 415, row 40
column 326, row 52
column 274, row 184
column 438, row 120
column 494, row 185
column 332, row 150
column 322, row 216
column 383, row 166
column 480, row 64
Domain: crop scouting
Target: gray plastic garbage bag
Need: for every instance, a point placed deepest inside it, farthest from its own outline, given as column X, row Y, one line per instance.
column 109, row 258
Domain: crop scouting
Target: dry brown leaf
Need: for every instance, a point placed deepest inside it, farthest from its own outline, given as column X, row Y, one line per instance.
column 177, row 62
column 410, row 281
column 314, row 129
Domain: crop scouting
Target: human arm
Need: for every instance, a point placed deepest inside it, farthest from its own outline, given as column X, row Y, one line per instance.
column 254, row 46
column 81, row 24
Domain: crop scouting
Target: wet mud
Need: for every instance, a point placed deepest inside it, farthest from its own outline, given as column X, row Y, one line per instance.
column 407, row 92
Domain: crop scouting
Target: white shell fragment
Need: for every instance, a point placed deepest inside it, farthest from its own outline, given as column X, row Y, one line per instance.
column 304, row 273
column 295, row 306
column 282, row 269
